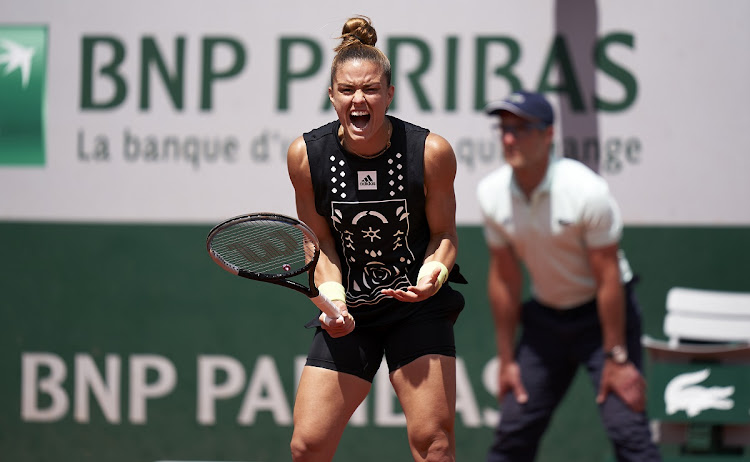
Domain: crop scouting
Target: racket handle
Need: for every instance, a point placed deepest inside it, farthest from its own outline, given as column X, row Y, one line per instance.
column 328, row 307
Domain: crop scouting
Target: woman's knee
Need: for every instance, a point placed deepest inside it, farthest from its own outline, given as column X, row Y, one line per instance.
column 304, row 448
column 433, row 442
column 299, row 448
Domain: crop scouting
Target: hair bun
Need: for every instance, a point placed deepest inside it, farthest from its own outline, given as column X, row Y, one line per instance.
column 358, row 29
column 358, row 39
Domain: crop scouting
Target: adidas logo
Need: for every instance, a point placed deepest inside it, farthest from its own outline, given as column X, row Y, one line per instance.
column 367, row 180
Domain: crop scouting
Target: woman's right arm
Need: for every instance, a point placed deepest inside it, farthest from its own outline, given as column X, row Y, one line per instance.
column 329, row 265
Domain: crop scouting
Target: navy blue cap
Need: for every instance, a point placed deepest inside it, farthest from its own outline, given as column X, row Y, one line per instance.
column 530, row 106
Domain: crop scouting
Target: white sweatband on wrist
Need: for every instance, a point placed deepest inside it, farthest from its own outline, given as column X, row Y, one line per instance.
column 429, row 267
column 333, row 291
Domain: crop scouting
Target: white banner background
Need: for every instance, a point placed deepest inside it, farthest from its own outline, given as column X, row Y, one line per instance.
column 689, row 59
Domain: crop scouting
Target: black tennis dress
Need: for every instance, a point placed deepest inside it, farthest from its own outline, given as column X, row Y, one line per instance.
column 376, row 212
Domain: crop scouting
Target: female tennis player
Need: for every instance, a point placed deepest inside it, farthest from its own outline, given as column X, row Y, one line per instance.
column 378, row 193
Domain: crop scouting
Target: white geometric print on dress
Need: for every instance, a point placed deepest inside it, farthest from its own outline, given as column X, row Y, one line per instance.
column 376, row 248
column 684, row 394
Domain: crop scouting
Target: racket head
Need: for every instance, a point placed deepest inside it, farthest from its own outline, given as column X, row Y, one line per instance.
column 267, row 247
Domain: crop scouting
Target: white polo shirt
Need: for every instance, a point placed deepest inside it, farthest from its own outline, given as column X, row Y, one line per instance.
column 569, row 212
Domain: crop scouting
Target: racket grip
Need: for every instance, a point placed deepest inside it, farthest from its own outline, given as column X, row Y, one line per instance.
column 328, row 307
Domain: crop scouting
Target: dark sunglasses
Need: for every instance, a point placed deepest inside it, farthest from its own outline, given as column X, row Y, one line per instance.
column 521, row 130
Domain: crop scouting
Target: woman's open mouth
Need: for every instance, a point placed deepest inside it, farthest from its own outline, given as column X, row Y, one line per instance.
column 359, row 119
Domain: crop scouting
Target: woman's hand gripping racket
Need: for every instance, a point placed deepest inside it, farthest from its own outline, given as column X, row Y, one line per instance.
column 273, row 248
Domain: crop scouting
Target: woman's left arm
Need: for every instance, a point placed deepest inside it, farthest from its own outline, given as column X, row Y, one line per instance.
column 440, row 208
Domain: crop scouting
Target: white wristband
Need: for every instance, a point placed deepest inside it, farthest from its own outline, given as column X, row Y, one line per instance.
column 333, row 290
column 428, row 268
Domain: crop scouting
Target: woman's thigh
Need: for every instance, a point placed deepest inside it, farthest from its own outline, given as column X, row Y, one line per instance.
column 325, row 401
column 426, row 389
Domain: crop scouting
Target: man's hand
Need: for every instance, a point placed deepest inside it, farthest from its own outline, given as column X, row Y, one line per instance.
column 510, row 381
column 626, row 382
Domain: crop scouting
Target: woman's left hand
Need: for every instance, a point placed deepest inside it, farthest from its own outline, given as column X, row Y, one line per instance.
column 425, row 288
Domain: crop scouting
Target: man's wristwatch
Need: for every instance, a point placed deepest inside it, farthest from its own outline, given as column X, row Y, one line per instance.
column 618, row 354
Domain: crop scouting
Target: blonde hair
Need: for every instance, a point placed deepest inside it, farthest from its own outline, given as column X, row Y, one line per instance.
column 358, row 39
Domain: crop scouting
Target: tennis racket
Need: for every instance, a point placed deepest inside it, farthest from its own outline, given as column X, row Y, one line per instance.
column 270, row 247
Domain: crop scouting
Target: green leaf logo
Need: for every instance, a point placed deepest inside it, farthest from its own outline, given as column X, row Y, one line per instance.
column 23, row 70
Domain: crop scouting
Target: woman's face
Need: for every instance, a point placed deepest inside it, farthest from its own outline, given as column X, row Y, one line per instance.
column 361, row 96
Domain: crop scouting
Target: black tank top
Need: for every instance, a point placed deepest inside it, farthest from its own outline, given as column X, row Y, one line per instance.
column 376, row 211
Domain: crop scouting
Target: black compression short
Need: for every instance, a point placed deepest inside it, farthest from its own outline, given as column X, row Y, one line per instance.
column 361, row 351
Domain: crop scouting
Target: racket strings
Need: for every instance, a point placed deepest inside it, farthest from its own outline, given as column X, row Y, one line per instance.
column 265, row 247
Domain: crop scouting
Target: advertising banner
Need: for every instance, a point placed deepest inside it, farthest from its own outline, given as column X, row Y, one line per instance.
column 172, row 112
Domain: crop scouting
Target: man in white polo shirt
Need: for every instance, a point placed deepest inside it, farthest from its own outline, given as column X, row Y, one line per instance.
column 557, row 218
